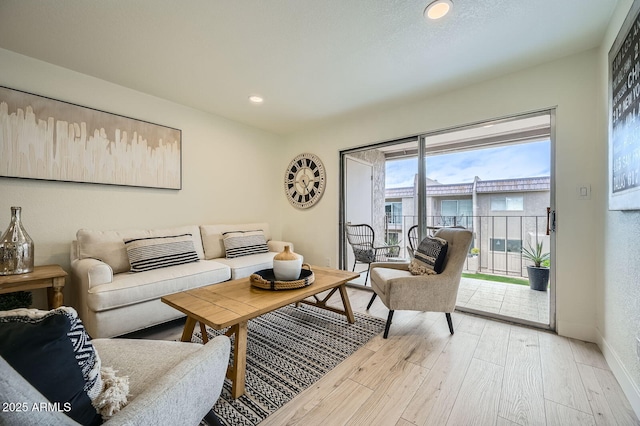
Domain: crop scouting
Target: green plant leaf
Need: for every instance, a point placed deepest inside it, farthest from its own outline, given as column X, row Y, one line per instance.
column 535, row 255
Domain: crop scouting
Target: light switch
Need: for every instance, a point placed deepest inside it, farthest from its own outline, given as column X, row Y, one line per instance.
column 584, row 191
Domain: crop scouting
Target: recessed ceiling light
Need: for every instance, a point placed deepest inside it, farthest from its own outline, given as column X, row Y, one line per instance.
column 438, row 9
column 255, row 99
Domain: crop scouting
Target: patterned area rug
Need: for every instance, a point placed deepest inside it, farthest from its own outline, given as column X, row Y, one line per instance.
column 287, row 351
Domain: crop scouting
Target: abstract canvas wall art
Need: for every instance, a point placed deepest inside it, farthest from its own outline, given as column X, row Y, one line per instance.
column 48, row 139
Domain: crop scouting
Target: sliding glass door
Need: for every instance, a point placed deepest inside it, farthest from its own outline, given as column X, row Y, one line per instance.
column 494, row 178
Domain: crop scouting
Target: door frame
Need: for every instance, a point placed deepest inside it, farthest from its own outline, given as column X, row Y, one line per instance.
column 342, row 240
column 365, row 163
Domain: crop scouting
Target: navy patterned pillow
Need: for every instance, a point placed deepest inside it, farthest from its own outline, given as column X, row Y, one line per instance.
column 429, row 257
column 53, row 352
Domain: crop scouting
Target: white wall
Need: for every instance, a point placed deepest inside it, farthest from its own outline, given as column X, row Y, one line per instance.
column 571, row 84
column 618, row 306
column 227, row 169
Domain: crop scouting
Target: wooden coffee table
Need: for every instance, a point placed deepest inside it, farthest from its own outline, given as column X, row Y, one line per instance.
column 233, row 303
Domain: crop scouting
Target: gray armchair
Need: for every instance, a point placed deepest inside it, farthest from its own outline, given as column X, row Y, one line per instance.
column 170, row 383
column 399, row 289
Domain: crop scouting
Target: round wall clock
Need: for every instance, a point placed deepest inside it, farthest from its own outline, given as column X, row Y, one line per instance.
column 304, row 180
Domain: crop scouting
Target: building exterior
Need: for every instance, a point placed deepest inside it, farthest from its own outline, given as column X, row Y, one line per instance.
column 505, row 216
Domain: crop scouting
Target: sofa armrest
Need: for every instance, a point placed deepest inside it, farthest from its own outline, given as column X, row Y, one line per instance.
column 183, row 395
column 91, row 272
column 278, row 246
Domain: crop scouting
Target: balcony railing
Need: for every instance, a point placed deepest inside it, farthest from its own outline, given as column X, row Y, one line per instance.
column 497, row 240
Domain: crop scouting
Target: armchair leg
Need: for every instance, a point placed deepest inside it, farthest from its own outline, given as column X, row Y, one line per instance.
column 371, row 301
column 211, row 419
column 367, row 277
column 449, row 322
column 386, row 327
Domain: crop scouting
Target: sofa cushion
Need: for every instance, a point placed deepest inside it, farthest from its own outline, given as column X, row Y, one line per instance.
column 244, row 266
column 429, row 257
column 212, row 236
column 146, row 254
column 108, row 246
column 52, row 351
column 129, row 289
column 244, row 243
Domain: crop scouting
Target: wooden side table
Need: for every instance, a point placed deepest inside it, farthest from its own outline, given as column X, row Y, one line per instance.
column 51, row 277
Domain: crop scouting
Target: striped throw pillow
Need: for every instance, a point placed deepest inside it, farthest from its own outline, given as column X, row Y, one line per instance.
column 53, row 352
column 244, row 243
column 146, row 254
column 428, row 259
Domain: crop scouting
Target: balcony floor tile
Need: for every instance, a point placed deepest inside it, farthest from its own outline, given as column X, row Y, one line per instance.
column 512, row 300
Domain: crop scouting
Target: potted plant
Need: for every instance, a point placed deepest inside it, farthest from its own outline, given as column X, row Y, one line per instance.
column 538, row 274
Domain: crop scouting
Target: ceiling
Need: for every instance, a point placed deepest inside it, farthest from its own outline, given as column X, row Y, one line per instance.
column 311, row 60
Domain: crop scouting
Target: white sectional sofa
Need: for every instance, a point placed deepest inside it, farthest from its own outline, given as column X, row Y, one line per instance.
column 113, row 301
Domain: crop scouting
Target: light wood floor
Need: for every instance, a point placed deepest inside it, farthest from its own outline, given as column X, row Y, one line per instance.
column 487, row 373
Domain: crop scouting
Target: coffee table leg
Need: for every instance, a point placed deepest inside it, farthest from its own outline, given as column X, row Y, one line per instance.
column 347, row 305
column 188, row 329
column 239, row 360
column 203, row 331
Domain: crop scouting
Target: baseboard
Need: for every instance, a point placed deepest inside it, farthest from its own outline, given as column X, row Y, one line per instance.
column 621, row 374
column 577, row 331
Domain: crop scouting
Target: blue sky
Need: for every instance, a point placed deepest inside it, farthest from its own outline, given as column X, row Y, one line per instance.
column 505, row 162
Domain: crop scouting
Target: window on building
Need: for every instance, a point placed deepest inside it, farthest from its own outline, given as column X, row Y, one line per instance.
column 456, row 212
column 393, row 238
column 393, row 210
column 507, row 203
column 511, row 246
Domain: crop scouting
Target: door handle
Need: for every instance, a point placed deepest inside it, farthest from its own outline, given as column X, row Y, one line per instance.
column 551, row 220
column 548, row 220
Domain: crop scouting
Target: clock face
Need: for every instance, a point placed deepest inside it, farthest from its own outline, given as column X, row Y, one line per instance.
column 304, row 180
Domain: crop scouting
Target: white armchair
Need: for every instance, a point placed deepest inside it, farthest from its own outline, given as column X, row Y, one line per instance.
column 170, row 383
column 399, row 289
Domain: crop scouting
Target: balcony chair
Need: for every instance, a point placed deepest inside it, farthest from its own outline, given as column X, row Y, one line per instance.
column 361, row 238
column 399, row 289
column 413, row 237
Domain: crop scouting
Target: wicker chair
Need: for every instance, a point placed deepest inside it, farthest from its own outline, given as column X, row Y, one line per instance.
column 361, row 238
column 412, row 237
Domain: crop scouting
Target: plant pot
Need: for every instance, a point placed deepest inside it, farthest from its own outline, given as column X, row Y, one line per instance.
column 538, row 278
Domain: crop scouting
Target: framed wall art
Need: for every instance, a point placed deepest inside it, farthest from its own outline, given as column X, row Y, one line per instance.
column 624, row 115
column 48, row 139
